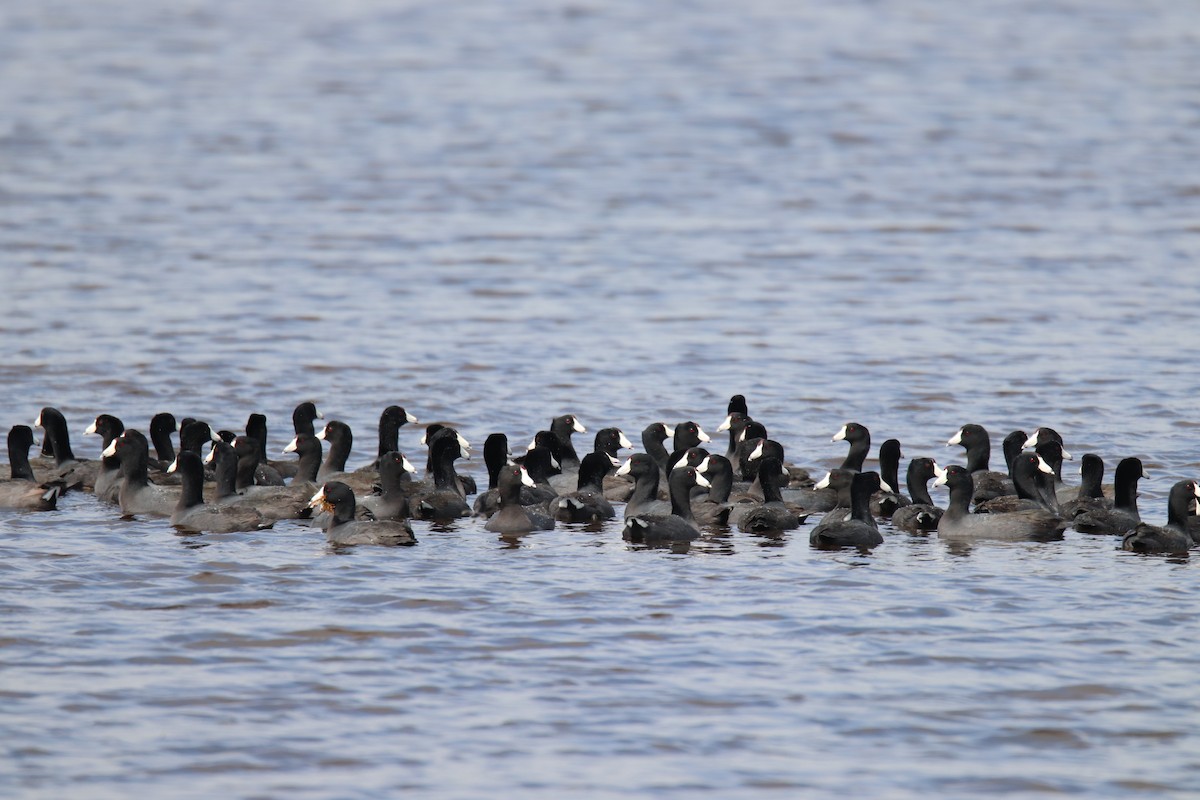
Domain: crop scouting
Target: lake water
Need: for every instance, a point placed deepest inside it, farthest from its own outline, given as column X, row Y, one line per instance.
column 913, row 215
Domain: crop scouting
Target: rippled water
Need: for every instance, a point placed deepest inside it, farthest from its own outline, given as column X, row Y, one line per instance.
column 914, row 215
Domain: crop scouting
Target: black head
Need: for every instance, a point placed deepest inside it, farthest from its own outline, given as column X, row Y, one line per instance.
column 541, row 464
column 689, row 434
column 1130, row 469
column 853, row 432
column 495, row 449
column 737, row 405
column 108, row 427
column 610, row 441
column 890, row 451
column 303, row 416
column 922, row 469
column 396, row 415
column 957, row 477
column 195, row 433
column 753, row 430
column 20, row 436
column 565, row 425
column 969, row 435
column 337, row 498
column 638, row 464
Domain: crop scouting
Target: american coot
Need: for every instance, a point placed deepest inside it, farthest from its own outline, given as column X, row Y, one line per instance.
column 266, row 473
column 735, row 423
column 391, row 421
column 751, row 437
column 445, row 500
column 512, row 517
column 71, row 472
column 193, row 514
column 773, row 514
column 988, row 484
column 108, row 477
column 652, row 442
column 562, row 427
column 337, row 498
column 922, row 515
column 21, row 491
column 714, row 507
column 341, row 442
column 1033, row 478
column 1172, row 537
column 541, row 465
column 435, row 431
column 308, row 448
column 644, row 500
column 137, row 495
column 959, row 523
column 162, row 426
column 841, row 481
column 856, row 529
column 885, row 502
column 677, row 527
column 495, row 455
column 1123, row 516
column 587, row 503
column 303, row 416
column 688, row 435
column 609, row 441
column 1090, row 496
column 1043, row 435
column 392, row 500
column 274, row 502
column 860, row 444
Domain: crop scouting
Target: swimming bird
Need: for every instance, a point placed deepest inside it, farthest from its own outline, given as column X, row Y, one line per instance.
column 512, row 517
column 978, row 445
column 773, row 514
column 922, row 515
column 587, row 503
column 193, row 514
column 856, row 529
column 21, row 491
column 1172, row 537
column 1123, row 516
column 341, row 528
column 959, row 523
column 137, row 495
column 680, row 525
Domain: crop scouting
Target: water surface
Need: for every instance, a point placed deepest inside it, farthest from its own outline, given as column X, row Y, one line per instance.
column 913, row 215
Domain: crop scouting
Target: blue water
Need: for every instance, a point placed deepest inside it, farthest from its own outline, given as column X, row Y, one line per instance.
column 911, row 215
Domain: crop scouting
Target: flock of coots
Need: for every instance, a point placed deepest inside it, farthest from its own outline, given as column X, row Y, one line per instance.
column 219, row 481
